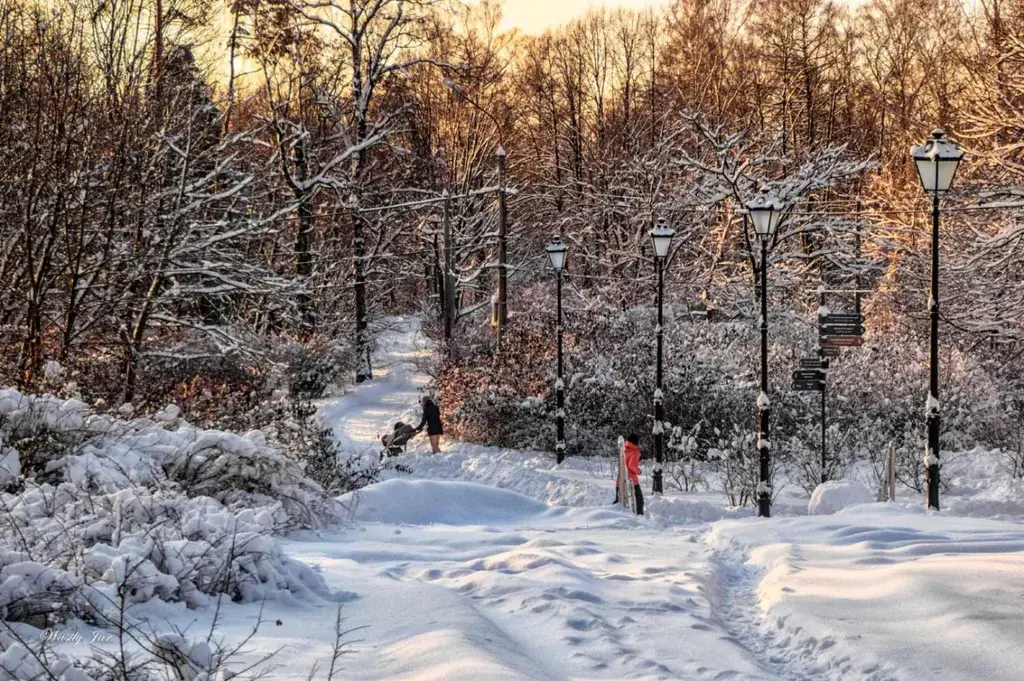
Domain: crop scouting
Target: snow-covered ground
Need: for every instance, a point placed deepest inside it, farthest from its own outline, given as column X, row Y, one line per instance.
column 494, row 564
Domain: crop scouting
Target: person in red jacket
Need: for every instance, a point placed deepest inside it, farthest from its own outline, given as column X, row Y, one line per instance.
column 633, row 470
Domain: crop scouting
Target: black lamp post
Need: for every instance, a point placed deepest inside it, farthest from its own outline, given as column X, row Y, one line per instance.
column 936, row 160
column 661, row 236
column 556, row 254
column 765, row 212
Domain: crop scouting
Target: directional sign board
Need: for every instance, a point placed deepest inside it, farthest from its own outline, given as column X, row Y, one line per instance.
column 813, row 363
column 841, row 319
column 807, row 386
column 840, row 341
column 828, row 352
column 809, row 375
column 841, row 330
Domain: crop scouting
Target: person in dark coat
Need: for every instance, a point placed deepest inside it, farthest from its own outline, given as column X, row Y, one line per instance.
column 432, row 420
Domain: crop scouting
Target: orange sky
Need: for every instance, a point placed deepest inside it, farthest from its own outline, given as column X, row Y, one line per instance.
column 533, row 16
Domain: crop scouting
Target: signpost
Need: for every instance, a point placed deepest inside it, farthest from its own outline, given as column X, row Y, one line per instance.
column 840, row 341
column 809, row 386
column 840, row 330
column 835, row 331
column 809, row 379
column 833, row 318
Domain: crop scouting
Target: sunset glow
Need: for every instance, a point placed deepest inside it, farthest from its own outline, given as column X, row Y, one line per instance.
column 533, row 16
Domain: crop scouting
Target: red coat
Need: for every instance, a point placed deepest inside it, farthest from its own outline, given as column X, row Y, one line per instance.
column 633, row 462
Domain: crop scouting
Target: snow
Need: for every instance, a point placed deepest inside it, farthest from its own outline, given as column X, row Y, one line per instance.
column 423, row 502
column 102, row 518
column 695, row 590
column 52, row 371
column 883, row 591
column 488, row 563
column 835, row 495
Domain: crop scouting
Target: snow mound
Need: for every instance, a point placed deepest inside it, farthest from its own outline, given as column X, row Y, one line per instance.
column 427, row 502
column 835, row 495
column 577, row 482
column 680, row 510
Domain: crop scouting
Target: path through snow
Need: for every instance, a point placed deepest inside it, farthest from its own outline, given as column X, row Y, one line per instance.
column 456, row 580
column 509, row 590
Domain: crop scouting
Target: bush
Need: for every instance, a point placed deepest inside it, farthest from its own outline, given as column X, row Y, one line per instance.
column 126, row 511
column 876, row 396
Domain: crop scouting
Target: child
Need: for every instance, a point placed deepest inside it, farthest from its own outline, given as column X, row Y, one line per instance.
column 633, row 469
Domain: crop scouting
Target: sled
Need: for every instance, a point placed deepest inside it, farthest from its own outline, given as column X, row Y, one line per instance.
column 625, row 489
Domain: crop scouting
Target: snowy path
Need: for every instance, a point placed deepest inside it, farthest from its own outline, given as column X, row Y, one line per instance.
column 585, row 593
column 529, row 593
column 371, row 409
column 463, row 571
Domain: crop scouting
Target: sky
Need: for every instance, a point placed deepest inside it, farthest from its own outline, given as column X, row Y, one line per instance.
column 533, row 16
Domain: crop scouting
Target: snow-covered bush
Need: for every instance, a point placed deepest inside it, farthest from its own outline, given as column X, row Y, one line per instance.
column 24, row 660
column 875, row 395
column 687, row 470
column 736, row 462
column 489, row 398
column 339, row 471
column 709, row 384
column 110, row 512
column 311, row 369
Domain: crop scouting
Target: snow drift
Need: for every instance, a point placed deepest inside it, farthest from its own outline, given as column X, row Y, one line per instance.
column 426, row 502
column 835, row 495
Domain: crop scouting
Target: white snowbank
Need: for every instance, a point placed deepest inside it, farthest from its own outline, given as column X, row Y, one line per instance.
column 425, row 502
column 835, row 495
column 883, row 591
column 577, row 482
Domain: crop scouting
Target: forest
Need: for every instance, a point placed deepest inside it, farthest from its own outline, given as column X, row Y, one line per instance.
column 220, row 206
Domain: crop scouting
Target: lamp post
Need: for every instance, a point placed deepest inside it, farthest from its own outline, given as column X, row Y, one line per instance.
column 765, row 212
column 936, row 160
column 556, row 254
column 661, row 236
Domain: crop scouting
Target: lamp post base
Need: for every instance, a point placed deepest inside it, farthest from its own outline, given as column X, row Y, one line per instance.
column 931, row 471
column 931, row 475
column 764, row 490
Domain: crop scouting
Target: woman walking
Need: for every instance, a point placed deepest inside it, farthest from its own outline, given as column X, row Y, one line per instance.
column 432, row 420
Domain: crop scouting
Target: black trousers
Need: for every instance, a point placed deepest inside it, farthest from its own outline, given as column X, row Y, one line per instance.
column 637, row 494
